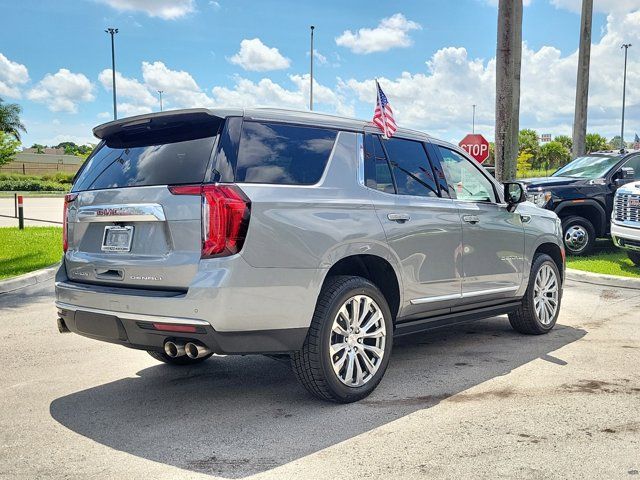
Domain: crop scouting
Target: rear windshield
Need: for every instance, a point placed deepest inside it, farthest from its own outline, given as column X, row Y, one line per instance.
column 147, row 160
column 283, row 154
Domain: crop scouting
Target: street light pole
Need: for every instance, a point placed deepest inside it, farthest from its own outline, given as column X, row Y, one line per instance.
column 473, row 122
column 624, row 94
column 160, row 93
column 311, row 84
column 112, row 32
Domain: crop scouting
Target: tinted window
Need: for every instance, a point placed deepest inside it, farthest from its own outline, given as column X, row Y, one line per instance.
column 377, row 173
column 465, row 179
column 283, row 154
column 142, row 165
column 634, row 163
column 411, row 168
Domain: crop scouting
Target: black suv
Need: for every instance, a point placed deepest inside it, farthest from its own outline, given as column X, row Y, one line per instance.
column 582, row 192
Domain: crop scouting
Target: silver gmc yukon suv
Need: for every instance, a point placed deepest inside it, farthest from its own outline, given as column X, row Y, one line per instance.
column 264, row 231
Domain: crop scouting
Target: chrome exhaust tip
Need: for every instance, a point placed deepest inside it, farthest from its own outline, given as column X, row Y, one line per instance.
column 174, row 349
column 195, row 350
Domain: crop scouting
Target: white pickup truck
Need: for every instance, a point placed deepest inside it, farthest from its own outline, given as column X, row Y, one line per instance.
column 625, row 220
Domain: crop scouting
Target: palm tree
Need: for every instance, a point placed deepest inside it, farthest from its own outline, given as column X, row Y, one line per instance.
column 10, row 119
column 582, row 86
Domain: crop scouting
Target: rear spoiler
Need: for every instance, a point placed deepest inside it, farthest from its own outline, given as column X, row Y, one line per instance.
column 161, row 121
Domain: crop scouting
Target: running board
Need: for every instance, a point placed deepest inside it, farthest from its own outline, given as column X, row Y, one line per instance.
column 452, row 318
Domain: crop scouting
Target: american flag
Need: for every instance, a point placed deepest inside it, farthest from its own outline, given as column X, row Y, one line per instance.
column 383, row 114
column 636, row 142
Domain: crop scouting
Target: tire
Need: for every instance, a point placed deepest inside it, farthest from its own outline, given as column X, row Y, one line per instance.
column 579, row 235
column 182, row 360
column 314, row 363
column 634, row 257
column 527, row 319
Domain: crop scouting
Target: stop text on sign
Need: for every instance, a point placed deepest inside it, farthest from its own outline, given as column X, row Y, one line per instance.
column 477, row 146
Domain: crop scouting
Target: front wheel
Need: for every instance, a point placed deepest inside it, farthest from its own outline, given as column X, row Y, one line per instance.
column 579, row 235
column 348, row 346
column 634, row 257
column 541, row 302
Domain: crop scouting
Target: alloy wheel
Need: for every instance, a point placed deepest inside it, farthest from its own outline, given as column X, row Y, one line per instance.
column 357, row 342
column 545, row 294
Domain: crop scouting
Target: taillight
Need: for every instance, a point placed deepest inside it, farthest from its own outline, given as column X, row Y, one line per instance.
column 68, row 198
column 225, row 217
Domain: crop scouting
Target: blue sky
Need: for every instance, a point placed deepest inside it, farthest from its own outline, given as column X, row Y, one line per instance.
column 434, row 59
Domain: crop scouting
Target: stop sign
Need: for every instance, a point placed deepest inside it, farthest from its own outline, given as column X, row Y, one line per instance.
column 476, row 146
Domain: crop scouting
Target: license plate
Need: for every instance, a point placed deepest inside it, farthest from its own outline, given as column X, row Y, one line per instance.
column 117, row 239
column 634, row 202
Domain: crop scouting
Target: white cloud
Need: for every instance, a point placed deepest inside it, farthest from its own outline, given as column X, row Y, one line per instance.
column 603, row 6
column 257, row 57
column 12, row 75
column 165, row 9
column 318, row 57
column 390, row 33
column 138, row 98
column 439, row 100
column 267, row 93
column 62, row 91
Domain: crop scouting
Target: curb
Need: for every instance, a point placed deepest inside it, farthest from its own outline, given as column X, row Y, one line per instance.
column 28, row 279
column 602, row 279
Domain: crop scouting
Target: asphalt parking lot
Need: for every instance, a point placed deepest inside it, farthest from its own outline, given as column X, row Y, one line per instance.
column 473, row 401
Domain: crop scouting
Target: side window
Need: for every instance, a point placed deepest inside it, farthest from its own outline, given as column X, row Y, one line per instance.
column 634, row 163
column 283, row 154
column 377, row 174
column 411, row 168
column 465, row 179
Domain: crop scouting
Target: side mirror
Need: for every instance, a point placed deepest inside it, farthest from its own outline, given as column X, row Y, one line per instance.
column 513, row 194
column 624, row 175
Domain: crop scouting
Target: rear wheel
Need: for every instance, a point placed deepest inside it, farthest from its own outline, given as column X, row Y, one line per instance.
column 634, row 257
column 541, row 302
column 348, row 346
column 182, row 360
column 579, row 235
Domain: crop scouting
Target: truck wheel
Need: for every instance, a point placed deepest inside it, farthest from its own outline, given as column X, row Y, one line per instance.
column 634, row 257
column 183, row 360
column 541, row 302
column 579, row 235
column 348, row 346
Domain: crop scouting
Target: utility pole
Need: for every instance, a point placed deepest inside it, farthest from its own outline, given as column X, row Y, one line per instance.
column 508, row 59
column 160, row 94
column 112, row 32
column 311, row 80
column 473, row 121
column 624, row 95
column 579, row 147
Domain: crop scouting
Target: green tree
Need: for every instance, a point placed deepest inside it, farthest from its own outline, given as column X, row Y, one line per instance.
column 596, row 142
column 615, row 142
column 10, row 119
column 524, row 163
column 564, row 140
column 39, row 148
column 554, row 155
column 528, row 141
column 8, row 147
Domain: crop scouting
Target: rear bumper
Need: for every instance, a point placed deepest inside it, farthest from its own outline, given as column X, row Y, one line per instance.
column 137, row 331
column 626, row 237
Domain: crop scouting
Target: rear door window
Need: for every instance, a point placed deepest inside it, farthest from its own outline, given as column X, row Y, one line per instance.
column 283, row 154
column 377, row 172
column 411, row 168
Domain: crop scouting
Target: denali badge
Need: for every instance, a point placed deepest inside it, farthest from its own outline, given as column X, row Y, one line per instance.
column 153, row 278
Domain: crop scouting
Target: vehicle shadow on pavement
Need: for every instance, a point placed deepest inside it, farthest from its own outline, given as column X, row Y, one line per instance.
column 237, row 416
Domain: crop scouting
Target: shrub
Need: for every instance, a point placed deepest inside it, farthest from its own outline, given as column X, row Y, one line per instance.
column 31, row 185
column 59, row 177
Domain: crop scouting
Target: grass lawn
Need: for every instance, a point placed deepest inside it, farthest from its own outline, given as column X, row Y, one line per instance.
column 605, row 259
column 23, row 251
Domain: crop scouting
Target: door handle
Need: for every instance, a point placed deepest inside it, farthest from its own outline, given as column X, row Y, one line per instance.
column 399, row 217
column 472, row 219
